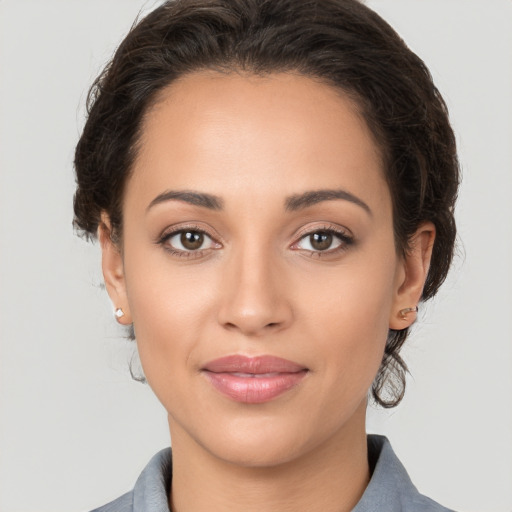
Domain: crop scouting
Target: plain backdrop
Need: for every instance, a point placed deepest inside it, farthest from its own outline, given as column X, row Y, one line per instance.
column 75, row 430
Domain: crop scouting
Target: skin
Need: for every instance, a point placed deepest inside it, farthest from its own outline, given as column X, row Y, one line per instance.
column 258, row 286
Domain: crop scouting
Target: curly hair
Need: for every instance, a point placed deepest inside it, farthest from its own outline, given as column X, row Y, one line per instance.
column 340, row 42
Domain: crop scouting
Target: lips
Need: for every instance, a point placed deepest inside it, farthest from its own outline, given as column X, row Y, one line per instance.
column 253, row 380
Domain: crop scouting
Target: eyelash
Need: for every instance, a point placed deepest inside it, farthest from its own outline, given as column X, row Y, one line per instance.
column 167, row 235
column 345, row 239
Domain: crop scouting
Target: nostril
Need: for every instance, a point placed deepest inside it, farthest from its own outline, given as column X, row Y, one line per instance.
column 243, row 313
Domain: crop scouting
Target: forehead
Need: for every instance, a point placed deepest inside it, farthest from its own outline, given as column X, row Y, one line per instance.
column 231, row 133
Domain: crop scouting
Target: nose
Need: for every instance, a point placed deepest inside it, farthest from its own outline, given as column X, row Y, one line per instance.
column 255, row 299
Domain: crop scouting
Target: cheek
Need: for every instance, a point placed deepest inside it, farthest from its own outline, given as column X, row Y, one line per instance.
column 169, row 309
column 348, row 317
column 166, row 296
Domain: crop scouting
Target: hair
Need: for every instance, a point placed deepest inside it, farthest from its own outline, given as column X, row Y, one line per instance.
column 342, row 43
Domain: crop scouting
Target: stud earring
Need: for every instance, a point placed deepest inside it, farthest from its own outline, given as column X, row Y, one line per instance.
column 119, row 313
column 403, row 312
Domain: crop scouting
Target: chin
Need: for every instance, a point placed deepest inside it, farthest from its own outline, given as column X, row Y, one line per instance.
column 256, row 452
column 264, row 441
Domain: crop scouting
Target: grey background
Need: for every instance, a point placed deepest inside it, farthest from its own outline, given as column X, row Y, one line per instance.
column 75, row 431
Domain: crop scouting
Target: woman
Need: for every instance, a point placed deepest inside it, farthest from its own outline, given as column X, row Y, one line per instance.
column 272, row 184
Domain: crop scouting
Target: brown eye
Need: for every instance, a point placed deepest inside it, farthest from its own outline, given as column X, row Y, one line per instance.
column 321, row 241
column 188, row 241
column 191, row 240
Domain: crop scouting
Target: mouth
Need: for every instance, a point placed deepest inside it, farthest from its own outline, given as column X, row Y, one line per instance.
column 253, row 380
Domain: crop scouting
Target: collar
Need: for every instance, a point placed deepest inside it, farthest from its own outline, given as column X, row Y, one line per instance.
column 390, row 488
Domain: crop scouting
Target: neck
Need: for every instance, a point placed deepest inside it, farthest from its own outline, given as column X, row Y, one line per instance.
column 328, row 478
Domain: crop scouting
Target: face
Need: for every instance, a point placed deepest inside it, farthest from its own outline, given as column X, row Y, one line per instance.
column 258, row 264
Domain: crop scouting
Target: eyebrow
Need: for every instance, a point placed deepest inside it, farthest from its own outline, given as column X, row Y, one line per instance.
column 292, row 203
column 187, row 196
column 310, row 198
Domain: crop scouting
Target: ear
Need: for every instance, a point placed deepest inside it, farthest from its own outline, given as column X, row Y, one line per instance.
column 411, row 276
column 113, row 270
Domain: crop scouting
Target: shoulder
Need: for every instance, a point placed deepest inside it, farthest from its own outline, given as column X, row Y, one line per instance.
column 122, row 504
column 390, row 487
column 150, row 490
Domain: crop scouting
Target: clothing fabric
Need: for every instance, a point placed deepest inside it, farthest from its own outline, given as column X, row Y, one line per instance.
column 390, row 488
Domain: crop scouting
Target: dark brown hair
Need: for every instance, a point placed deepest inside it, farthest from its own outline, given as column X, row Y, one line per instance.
column 340, row 42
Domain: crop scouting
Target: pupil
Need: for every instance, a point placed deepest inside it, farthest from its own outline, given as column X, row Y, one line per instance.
column 321, row 241
column 192, row 240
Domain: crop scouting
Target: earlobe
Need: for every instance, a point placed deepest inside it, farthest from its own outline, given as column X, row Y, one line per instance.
column 413, row 274
column 113, row 271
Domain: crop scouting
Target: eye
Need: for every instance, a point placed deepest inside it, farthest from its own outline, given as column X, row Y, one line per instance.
column 324, row 241
column 319, row 241
column 183, row 242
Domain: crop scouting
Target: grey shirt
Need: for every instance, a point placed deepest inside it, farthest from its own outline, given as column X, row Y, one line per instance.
column 390, row 488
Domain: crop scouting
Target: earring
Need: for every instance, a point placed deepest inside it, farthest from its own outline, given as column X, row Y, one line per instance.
column 403, row 312
column 119, row 313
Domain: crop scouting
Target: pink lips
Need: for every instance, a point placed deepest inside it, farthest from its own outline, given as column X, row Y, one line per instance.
column 253, row 380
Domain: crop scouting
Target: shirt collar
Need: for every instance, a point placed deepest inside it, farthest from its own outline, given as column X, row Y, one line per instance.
column 390, row 487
